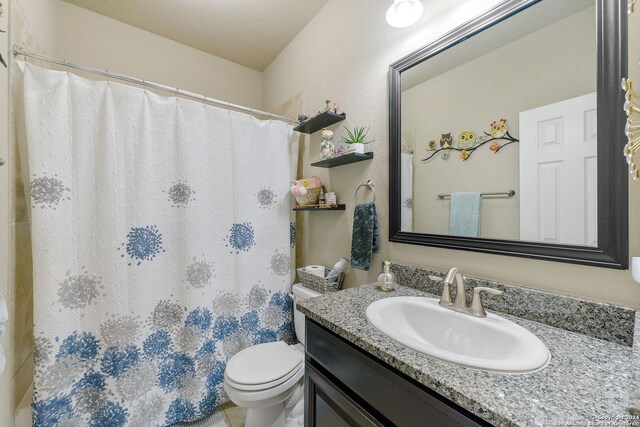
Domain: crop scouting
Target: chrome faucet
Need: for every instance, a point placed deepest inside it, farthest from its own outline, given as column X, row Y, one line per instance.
column 460, row 304
column 461, row 296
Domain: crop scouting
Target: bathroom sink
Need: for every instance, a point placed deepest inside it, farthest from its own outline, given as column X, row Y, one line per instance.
column 492, row 343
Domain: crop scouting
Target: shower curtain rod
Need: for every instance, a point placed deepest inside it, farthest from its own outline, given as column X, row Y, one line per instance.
column 106, row 73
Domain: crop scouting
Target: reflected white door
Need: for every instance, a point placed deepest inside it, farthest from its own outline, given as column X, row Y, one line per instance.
column 558, row 172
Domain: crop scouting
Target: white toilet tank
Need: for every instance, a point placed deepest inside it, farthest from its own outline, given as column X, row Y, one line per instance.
column 300, row 293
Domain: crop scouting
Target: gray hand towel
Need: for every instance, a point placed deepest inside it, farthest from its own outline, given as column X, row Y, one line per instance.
column 365, row 239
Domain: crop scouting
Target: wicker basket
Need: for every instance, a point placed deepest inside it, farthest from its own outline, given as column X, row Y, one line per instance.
column 311, row 198
column 320, row 284
column 313, row 193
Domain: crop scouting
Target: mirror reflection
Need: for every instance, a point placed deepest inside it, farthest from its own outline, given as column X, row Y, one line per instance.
column 499, row 132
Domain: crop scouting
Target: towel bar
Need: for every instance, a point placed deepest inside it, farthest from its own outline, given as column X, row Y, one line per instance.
column 509, row 193
column 368, row 184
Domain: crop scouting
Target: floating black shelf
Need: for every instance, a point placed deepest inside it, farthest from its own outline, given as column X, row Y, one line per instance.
column 320, row 121
column 343, row 160
column 311, row 208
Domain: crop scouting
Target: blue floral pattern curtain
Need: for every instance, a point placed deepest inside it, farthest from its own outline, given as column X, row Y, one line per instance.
column 162, row 247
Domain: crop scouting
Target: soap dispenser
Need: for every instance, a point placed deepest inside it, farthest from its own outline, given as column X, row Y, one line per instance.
column 387, row 280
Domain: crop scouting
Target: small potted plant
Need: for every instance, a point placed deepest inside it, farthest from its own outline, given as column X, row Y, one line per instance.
column 356, row 139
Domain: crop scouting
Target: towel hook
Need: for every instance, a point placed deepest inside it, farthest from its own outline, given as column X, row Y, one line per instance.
column 368, row 184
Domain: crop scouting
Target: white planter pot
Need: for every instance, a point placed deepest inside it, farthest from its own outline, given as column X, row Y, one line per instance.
column 358, row 148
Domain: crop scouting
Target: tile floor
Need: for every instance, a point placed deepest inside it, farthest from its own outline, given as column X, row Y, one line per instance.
column 234, row 416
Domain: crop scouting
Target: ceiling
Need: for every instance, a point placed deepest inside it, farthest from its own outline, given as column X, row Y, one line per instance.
column 248, row 32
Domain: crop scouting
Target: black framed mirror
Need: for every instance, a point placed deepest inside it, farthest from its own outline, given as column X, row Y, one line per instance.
column 507, row 134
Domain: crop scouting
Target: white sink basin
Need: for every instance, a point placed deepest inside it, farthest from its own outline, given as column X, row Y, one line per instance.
column 491, row 343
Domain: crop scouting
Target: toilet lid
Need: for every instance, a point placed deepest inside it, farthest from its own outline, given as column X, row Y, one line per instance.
column 263, row 363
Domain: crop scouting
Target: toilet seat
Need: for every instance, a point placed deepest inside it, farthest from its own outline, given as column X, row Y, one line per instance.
column 263, row 366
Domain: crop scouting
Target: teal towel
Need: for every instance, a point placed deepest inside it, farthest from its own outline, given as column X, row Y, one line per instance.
column 365, row 239
column 465, row 214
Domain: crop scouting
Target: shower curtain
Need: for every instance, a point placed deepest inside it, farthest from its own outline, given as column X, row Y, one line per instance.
column 162, row 246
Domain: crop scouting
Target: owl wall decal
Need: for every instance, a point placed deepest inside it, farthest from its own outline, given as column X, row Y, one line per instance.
column 499, row 128
column 467, row 139
column 446, row 140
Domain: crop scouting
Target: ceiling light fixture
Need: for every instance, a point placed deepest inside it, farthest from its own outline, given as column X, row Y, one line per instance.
column 403, row 13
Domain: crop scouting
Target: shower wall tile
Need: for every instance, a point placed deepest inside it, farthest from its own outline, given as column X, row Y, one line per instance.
column 21, row 272
column 10, row 344
column 20, row 276
column 6, row 405
column 23, row 379
column 18, row 203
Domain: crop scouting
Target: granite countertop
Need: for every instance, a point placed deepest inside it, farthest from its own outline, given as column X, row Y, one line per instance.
column 588, row 380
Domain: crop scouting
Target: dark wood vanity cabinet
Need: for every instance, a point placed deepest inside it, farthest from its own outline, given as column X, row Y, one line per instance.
column 345, row 386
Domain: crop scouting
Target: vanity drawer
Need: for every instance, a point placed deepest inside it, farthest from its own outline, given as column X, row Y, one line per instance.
column 396, row 397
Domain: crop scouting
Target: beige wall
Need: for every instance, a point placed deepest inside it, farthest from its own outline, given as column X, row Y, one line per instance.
column 89, row 38
column 352, row 47
column 519, row 76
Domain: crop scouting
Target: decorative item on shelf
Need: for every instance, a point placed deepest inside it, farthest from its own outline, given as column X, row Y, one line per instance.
column 331, row 200
column 306, row 191
column 323, row 284
column 302, row 118
column 356, row 139
column 321, row 199
column 632, row 6
column 632, row 128
column 297, row 189
column 327, row 109
column 469, row 142
column 327, row 149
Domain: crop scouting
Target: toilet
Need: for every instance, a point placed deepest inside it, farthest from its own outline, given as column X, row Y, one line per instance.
column 267, row 379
